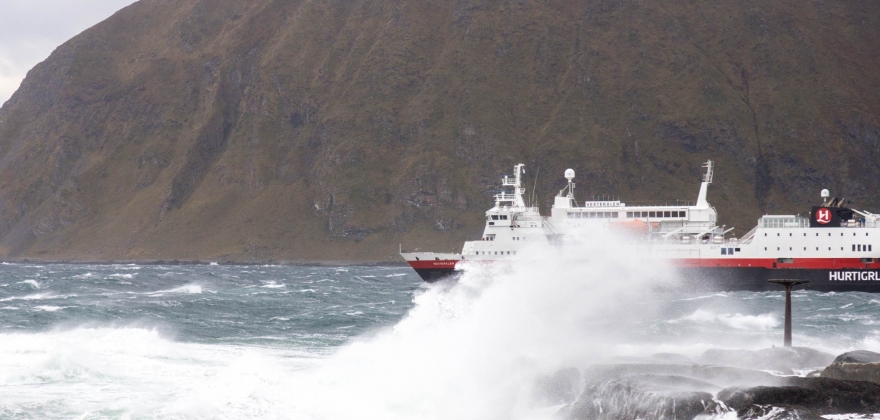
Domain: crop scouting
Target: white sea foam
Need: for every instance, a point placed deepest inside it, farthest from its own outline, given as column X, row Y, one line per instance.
column 49, row 308
column 127, row 267
column 738, row 321
column 33, row 283
column 191, row 288
column 35, row 296
column 273, row 285
column 134, row 372
column 122, row 276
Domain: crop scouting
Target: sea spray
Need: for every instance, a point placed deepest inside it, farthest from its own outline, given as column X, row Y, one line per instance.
column 479, row 347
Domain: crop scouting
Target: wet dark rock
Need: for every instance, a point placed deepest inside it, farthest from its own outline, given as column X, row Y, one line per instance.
column 858, row 356
column 769, row 412
column 859, row 365
column 780, row 359
column 717, row 376
column 631, row 398
column 822, row 395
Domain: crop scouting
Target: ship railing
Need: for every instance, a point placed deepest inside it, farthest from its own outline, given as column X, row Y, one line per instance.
column 653, row 203
column 505, row 197
column 749, row 236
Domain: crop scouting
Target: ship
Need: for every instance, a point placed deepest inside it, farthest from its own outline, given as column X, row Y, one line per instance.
column 834, row 247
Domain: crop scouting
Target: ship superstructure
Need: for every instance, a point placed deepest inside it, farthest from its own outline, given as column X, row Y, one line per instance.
column 510, row 225
column 834, row 247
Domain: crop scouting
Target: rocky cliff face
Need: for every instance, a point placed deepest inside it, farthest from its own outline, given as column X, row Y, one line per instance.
column 331, row 130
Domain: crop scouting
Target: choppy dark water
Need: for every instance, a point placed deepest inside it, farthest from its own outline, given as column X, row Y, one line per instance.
column 127, row 341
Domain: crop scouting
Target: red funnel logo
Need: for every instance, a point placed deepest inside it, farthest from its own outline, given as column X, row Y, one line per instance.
column 823, row 216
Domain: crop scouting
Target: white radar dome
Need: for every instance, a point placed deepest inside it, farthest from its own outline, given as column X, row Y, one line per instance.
column 569, row 174
column 825, row 193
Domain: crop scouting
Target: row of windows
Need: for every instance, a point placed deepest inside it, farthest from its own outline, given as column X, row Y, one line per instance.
column 728, row 251
column 593, row 215
column 858, row 248
column 817, row 234
column 496, row 252
column 632, row 214
column 497, row 217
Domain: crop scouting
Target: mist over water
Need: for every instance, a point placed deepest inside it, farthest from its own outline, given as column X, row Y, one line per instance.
column 368, row 342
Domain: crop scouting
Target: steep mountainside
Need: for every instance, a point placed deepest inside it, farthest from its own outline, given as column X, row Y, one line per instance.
column 334, row 130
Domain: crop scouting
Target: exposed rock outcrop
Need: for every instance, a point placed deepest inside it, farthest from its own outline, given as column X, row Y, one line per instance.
column 859, row 365
column 781, row 359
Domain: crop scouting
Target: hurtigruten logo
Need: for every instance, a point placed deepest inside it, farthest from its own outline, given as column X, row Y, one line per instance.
column 823, row 216
column 853, row 276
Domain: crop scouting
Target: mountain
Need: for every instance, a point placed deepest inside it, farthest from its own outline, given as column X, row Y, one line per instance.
column 335, row 130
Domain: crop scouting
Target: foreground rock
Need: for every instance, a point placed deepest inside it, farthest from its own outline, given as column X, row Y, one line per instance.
column 656, row 390
column 685, row 390
column 641, row 398
column 859, row 365
column 784, row 412
column 785, row 360
column 819, row 395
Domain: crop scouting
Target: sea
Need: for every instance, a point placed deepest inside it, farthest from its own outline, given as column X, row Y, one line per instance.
column 80, row 341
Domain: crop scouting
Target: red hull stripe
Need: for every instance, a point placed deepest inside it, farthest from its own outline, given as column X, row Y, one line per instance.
column 427, row 264
column 802, row 263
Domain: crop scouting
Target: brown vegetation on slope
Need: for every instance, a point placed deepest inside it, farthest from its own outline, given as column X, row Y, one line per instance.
column 333, row 130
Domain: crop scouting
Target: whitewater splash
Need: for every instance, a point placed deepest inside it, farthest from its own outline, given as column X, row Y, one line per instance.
column 481, row 347
column 499, row 342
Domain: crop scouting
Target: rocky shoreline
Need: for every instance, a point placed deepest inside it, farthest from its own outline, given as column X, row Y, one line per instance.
column 769, row 384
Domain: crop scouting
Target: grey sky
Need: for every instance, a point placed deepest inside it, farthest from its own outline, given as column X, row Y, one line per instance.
column 31, row 29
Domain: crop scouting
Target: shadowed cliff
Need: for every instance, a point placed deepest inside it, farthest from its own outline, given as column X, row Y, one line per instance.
column 334, row 130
